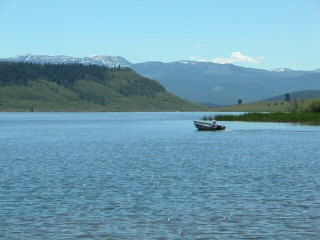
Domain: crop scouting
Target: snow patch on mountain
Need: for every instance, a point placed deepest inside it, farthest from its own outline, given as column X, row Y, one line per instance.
column 280, row 70
column 289, row 70
column 187, row 62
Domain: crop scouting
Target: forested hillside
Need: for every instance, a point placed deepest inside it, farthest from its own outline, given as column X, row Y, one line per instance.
column 22, row 85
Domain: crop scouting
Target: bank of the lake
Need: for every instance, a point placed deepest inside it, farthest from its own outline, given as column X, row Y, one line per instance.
column 302, row 105
column 281, row 117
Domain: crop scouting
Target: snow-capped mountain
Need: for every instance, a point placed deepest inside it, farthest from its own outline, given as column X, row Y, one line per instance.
column 108, row 61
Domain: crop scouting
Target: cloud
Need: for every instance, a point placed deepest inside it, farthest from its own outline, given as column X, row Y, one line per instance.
column 203, row 60
column 237, row 57
column 222, row 60
column 198, row 45
column 193, row 58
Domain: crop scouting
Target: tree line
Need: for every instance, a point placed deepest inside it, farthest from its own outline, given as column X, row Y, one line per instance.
column 142, row 86
column 20, row 73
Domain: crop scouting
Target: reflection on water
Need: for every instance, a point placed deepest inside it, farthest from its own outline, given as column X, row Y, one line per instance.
column 153, row 175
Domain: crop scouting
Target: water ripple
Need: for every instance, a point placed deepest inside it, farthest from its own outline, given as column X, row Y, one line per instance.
column 67, row 176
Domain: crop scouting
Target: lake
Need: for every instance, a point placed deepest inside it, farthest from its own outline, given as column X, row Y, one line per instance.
column 154, row 176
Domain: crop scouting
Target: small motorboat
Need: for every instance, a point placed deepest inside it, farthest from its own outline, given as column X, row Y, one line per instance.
column 207, row 126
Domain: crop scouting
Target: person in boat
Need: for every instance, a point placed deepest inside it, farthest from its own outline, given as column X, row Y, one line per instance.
column 214, row 122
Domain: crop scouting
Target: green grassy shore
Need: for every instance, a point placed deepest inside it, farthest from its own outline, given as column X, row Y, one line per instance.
column 303, row 111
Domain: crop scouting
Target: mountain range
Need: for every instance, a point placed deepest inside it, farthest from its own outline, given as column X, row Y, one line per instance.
column 221, row 84
column 108, row 61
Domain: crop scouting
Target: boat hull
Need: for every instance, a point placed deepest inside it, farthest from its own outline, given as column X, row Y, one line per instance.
column 206, row 126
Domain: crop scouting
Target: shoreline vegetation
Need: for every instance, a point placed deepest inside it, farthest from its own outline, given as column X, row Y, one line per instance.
column 280, row 117
column 298, row 111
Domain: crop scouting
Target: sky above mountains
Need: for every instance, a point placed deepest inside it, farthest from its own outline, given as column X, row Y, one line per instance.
column 255, row 34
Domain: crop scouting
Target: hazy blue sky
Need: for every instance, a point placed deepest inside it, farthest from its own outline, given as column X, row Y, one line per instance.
column 258, row 34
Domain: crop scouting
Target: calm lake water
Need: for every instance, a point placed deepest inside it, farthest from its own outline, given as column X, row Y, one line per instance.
column 154, row 176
